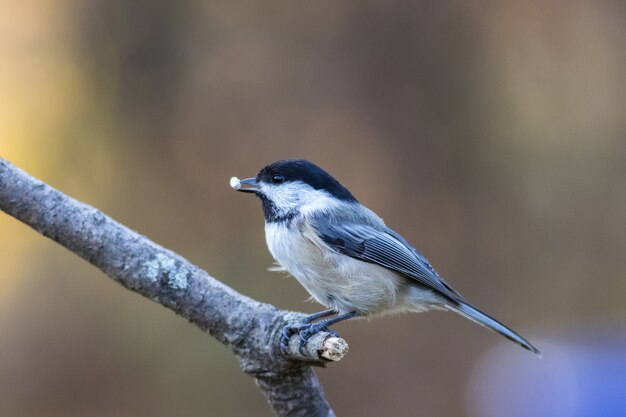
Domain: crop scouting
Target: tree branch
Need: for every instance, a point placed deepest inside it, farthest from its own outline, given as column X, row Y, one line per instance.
column 251, row 329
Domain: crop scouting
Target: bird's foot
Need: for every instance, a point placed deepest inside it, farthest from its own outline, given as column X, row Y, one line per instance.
column 305, row 330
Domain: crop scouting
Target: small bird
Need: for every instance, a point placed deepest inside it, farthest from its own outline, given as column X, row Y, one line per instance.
column 344, row 255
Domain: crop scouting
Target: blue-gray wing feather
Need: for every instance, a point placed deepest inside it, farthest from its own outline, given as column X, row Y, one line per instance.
column 385, row 248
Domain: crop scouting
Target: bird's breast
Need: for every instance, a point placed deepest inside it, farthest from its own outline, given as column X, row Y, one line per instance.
column 334, row 280
column 293, row 250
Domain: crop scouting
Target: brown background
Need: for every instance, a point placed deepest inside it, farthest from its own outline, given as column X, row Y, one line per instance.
column 490, row 134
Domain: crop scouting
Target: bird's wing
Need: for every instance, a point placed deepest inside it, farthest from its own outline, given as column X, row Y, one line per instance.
column 385, row 248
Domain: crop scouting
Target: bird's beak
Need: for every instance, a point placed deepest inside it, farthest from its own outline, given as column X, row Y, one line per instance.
column 253, row 185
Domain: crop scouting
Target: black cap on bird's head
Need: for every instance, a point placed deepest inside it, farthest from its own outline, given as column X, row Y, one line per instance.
column 297, row 170
column 286, row 186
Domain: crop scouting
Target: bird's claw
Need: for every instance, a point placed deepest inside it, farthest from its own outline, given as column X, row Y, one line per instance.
column 308, row 331
column 305, row 330
column 285, row 335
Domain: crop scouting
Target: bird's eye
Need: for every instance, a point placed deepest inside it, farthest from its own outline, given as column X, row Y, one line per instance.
column 278, row 179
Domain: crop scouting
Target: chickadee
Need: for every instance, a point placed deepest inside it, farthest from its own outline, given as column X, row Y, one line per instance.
column 344, row 255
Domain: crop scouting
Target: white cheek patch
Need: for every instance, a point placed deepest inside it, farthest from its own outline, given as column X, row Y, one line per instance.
column 297, row 196
column 320, row 200
column 235, row 183
column 286, row 196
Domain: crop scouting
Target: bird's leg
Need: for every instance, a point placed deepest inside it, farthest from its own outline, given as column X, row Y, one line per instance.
column 308, row 331
column 298, row 325
column 312, row 317
column 306, row 328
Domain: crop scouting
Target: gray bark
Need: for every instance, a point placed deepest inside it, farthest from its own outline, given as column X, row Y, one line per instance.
column 250, row 329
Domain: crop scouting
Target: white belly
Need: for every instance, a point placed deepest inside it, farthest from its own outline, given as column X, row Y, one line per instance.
column 334, row 280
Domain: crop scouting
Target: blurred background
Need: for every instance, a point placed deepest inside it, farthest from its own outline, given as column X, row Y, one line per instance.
column 491, row 135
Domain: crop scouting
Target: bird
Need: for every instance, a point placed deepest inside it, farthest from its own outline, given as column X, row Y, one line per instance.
column 345, row 255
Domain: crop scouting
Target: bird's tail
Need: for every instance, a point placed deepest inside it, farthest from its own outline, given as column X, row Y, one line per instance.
column 481, row 318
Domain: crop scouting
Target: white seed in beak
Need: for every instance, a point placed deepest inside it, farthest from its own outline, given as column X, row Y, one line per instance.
column 235, row 183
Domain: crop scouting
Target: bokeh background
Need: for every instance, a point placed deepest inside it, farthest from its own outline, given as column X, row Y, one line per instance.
column 490, row 134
